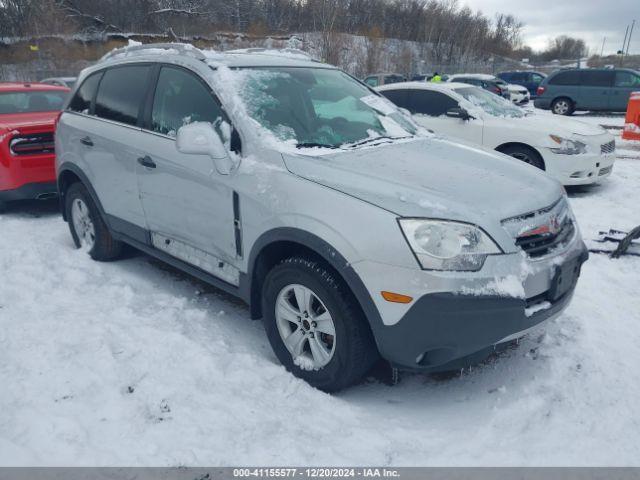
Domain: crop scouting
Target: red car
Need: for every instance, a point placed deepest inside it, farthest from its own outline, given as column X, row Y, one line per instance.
column 28, row 112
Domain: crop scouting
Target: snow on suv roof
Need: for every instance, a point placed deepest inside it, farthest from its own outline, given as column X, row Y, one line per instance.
column 250, row 57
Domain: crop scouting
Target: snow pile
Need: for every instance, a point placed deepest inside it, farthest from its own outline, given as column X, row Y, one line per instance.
column 133, row 363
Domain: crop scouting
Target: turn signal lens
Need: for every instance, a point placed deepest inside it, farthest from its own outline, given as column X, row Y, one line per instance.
column 396, row 297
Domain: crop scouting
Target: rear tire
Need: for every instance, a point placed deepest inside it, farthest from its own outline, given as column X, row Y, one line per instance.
column 562, row 106
column 88, row 229
column 328, row 341
column 524, row 154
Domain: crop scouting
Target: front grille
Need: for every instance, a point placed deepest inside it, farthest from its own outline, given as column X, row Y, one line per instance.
column 605, row 170
column 542, row 244
column 608, row 147
column 33, row 144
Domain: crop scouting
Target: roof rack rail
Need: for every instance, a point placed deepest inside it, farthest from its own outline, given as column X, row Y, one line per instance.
column 272, row 51
column 184, row 48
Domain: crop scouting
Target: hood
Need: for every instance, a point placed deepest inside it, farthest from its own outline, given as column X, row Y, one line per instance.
column 28, row 121
column 433, row 177
column 561, row 126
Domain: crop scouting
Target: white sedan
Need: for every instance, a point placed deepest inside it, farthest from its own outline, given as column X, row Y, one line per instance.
column 573, row 152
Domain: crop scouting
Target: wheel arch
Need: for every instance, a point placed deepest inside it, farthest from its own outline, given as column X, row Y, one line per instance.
column 504, row 146
column 69, row 174
column 280, row 243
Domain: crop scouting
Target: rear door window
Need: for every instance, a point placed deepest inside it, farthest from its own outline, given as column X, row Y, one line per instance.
column 182, row 98
column 399, row 97
column 83, row 98
column 427, row 102
column 121, row 93
column 596, row 78
column 518, row 77
column 566, row 78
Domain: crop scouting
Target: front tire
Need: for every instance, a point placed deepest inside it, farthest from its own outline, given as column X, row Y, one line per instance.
column 314, row 325
column 524, row 154
column 562, row 106
column 87, row 227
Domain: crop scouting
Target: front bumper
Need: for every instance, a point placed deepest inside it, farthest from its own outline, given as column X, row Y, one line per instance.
column 578, row 169
column 459, row 317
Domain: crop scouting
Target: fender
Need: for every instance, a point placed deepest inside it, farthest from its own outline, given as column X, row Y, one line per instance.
column 327, row 252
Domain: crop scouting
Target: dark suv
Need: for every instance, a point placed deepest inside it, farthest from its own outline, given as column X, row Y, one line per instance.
column 530, row 80
column 565, row 91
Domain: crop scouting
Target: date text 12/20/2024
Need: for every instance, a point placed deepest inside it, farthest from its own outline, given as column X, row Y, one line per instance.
column 316, row 473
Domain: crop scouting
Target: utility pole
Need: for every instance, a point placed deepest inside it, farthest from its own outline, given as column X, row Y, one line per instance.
column 621, row 52
column 603, row 42
column 629, row 39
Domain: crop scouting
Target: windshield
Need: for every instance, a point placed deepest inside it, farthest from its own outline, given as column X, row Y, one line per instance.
column 318, row 107
column 31, row 102
column 490, row 102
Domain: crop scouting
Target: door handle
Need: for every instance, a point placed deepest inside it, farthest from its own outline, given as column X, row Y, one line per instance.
column 86, row 141
column 146, row 161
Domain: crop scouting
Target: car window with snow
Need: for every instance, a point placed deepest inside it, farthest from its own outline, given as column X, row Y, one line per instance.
column 31, row 102
column 317, row 107
column 490, row 103
column 121, row 93
column 181, row 98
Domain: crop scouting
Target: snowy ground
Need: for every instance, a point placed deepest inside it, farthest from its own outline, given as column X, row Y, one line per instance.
column 132, row 363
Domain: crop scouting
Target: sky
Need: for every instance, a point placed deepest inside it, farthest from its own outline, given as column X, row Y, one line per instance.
column 591, row 20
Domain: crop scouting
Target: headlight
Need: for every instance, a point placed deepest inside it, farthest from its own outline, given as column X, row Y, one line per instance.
column 568, row 147
column 445, row 245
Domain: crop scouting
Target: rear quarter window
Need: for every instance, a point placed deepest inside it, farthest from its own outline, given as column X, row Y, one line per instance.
column 81, row 101
column 121, row 93
column 566, row 78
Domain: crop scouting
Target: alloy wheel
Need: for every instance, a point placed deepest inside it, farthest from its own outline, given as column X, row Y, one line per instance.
column 82, row 224
column 305, row 326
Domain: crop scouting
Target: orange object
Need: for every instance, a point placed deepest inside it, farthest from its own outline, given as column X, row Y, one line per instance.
column 396, row 297
column 632, row 121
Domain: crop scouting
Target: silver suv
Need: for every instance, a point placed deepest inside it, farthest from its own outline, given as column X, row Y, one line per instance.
column 350, row 231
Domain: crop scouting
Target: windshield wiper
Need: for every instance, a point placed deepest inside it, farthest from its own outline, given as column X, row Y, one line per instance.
column 374, row 139
column 315, row 145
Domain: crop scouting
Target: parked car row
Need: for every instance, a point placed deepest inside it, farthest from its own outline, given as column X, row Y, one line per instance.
column 352, row 231
column 563, row 92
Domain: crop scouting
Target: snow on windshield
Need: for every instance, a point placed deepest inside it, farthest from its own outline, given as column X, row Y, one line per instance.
column 477, row 98
column 316, row 108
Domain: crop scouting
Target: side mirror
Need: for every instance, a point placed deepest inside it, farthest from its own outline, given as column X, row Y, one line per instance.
column 200, row 138
column 458, row 112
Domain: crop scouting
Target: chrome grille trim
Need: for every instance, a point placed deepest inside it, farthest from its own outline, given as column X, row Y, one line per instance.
column 545, row 232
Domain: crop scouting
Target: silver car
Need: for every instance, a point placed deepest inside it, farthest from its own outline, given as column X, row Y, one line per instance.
column 350, row 231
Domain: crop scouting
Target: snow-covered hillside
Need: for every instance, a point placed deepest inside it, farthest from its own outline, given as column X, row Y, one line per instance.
column 133, row 363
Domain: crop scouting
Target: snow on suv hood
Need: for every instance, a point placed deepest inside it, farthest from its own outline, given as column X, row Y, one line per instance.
column 432, row 178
